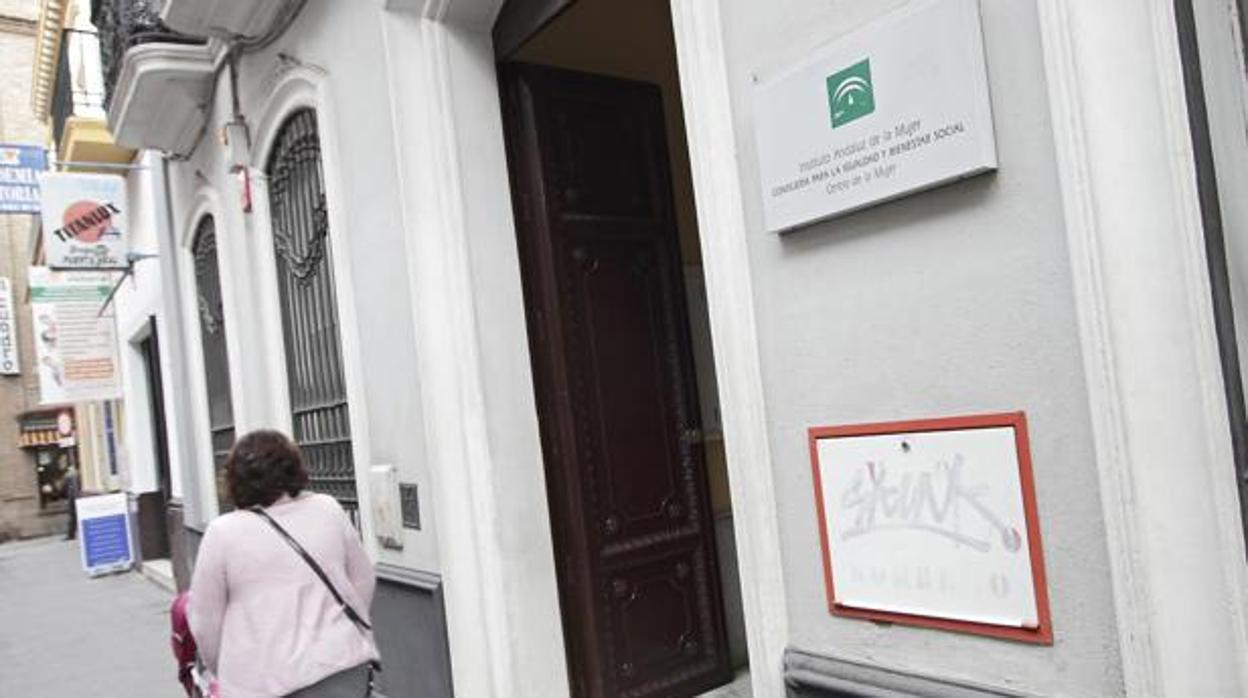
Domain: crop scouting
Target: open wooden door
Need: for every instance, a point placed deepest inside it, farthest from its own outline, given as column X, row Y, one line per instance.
column 616, row 391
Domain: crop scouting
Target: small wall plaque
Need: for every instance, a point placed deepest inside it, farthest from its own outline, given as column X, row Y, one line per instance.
column 933, row 523
column 409, row 503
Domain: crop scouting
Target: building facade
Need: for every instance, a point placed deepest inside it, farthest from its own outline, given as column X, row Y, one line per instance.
column 505, row 270
column 33, row 460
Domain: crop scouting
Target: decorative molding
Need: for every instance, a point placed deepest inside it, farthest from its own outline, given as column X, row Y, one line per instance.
column 482, row 439
column 1154, row 380
column 705, row 86
column 48, row 33
column 1070, row 133
column 460, row 432
column 475, row 15
column 425, row 581
column 11, row 24
column 810, row 675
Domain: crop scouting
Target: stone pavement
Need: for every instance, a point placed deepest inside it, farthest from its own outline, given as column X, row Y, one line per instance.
column 64, row 635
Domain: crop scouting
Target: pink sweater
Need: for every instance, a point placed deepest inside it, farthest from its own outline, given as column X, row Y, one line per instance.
column 265, row 624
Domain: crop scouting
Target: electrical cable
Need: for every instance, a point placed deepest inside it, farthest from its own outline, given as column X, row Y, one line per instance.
column 236, row 48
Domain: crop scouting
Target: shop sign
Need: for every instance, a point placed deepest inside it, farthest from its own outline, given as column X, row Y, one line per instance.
column 10, row 362
column 75, row 346
column 84, row 221
column 891, row 109
column 104, row 529
column 932, row 523
column 20, row 167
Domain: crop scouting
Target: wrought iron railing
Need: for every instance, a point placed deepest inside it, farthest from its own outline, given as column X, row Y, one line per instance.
column 79, row 91
column 124, row 24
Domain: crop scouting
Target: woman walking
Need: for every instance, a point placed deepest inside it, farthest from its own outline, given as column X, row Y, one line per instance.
column 282, row 586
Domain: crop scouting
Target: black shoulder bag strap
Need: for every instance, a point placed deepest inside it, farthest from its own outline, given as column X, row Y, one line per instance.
column 346, row 607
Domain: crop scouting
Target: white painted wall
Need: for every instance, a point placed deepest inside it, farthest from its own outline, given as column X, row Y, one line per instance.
column 957, row 301
column 139, row 299
column 960, row 300
column 329, row 60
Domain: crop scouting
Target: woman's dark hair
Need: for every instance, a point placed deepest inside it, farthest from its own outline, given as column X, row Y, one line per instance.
column 263, row 466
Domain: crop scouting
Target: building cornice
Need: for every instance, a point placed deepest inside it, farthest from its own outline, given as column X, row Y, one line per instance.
column 48, row 33
column 10, row 24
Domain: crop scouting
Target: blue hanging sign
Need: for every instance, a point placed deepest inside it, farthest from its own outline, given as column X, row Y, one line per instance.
column 20, row 166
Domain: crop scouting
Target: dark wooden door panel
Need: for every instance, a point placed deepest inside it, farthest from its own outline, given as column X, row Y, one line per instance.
column 665, row 638
column 616, row 391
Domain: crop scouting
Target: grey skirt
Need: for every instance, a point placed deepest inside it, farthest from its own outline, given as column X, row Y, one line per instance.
column 348, row 683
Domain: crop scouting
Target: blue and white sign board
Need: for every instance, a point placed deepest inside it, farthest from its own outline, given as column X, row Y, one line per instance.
column 104, row 529
column 20, row 167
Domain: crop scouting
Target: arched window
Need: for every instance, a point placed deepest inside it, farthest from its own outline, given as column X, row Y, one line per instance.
column 212, row 337
column 305, row 279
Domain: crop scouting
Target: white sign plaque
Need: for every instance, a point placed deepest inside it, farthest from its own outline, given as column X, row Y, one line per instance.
column 85, row 221
column 933, row 521
column 10, row 363
column 896, row 107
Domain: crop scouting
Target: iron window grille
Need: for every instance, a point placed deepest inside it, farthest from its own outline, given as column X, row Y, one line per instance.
column 216, row 359
column 320, row 413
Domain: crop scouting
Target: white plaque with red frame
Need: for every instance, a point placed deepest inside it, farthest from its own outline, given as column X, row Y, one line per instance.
column 933, row 523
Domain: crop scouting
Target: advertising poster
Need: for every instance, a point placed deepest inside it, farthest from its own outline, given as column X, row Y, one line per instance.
column 10, row 362
column 75, row 346
column 20, row 167
column 84, row 221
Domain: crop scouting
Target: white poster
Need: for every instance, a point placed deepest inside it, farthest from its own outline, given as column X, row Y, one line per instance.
column 84, row 221
column 896, row 107
column 10, row 361
column 930, row 524
column 75, row 347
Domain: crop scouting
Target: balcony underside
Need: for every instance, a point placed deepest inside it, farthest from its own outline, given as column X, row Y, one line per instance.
column 87, row 143
column 159, row 101
column 222, row 18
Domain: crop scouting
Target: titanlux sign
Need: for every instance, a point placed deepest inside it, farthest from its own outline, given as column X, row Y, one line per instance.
column 84, row 221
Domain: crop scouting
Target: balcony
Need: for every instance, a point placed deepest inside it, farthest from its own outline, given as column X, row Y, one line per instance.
column 79, row 90
column 67, row 90
column 125, row 24
column 156, row 81
column 77, row 107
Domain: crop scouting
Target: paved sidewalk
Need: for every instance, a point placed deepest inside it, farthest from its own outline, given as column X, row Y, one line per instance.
column 64, row 635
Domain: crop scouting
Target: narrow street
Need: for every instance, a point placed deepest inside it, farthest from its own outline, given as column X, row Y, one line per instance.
column 64, row 635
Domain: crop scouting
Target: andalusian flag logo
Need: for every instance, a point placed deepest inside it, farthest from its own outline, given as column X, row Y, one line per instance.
column 850, row 94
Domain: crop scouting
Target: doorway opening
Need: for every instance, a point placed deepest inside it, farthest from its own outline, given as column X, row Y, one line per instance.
column 619, row 335
column 153, row 515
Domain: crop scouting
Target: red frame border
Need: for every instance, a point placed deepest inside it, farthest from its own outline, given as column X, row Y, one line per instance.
column 1042, row 635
